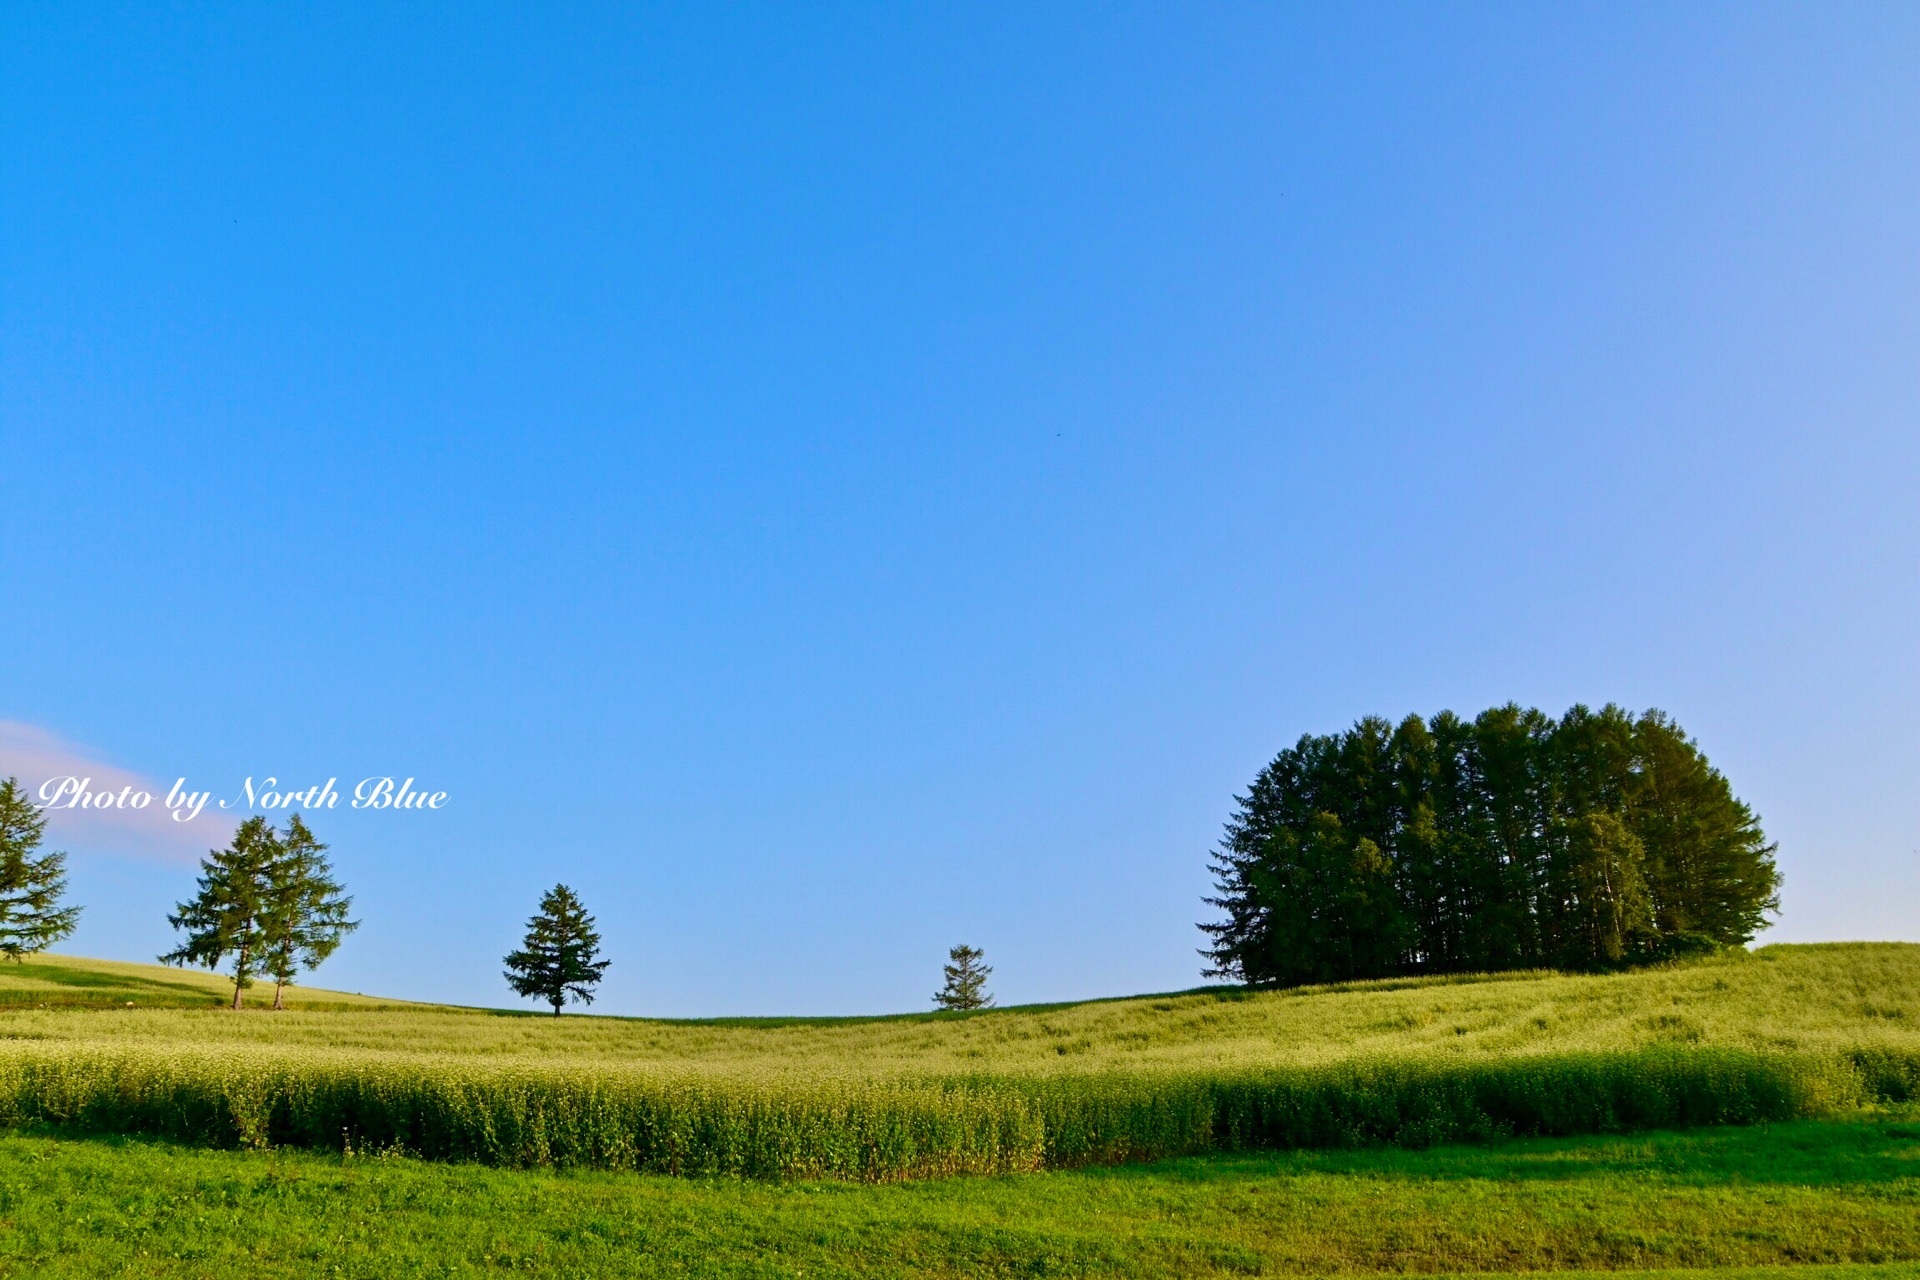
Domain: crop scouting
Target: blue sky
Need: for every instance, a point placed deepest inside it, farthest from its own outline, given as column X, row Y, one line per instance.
column 834, row 482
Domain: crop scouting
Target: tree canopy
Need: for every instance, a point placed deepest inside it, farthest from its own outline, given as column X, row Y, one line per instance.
column 1512, row 840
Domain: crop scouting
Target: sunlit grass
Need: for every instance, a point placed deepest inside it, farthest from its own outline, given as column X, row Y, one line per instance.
column 1785, row 1032
column 1779, row 1196
column 51, row 981
column 1830, row 997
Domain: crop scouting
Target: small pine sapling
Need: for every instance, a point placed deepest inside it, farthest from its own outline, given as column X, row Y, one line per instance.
column 966, row 980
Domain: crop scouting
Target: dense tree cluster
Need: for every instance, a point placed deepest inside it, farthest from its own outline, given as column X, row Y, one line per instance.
column 1512, row 840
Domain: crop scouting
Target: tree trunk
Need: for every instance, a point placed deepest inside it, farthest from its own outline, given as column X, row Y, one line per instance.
column 239, row 978
column 279, row 994
column 556, row 1007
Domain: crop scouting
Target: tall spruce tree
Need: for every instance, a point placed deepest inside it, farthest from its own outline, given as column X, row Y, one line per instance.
column 966, row 980
column 559, row 960
column 229, row 914
column 306, row 909
column 31, row 883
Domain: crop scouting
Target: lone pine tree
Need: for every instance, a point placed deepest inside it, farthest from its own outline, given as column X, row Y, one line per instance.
column 966, row 980
column 306, row 909
column 559, row 960
column 31, row 884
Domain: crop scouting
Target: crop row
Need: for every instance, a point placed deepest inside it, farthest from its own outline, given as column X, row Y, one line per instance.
column 886, row 1131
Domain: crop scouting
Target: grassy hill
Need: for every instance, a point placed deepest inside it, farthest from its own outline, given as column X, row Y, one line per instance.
column 1799, row 1035
column 1785, row 1031
column 1834, row 997
column 54, row 981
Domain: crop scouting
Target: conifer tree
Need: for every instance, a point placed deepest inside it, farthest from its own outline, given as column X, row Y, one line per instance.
column 306, row 910
column 31, row 884
column 229, row 915
column 559, row 960
column 966, row 980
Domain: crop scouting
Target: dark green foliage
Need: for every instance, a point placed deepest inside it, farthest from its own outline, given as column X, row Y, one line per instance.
column 306, row 909
column 1597, row 911
column 558, row 961
column 1709, row 866
column 31, row 883
column 267, row 900
column 228, row 916
column 966, row 980
column 1510, row 841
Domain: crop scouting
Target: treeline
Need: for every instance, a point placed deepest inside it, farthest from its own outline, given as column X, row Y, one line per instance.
column 1509, row 841
column 269, row 906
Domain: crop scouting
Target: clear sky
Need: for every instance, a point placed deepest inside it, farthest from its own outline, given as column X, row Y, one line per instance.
column 830, row 483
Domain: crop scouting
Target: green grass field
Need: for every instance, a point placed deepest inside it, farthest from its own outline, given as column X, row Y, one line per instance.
column 1783, row 1033
column 49, row 981
column 1317, row 1131
column 1805, row 1201
column 1824, row 998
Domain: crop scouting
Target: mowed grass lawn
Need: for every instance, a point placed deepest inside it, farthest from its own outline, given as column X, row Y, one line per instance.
column 1803, row 1196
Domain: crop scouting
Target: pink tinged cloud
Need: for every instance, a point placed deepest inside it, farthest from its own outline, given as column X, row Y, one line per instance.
column 50, row 768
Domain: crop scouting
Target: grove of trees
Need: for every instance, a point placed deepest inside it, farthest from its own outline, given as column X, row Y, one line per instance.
column 270, row 901
column 1512, row 840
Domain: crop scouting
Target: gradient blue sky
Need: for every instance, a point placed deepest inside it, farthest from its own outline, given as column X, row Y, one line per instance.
column 834, row 482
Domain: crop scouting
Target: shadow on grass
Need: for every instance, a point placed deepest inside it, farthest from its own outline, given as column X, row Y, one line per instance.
column 1875, row 1147
column 88, row 985
column 1878, row 1150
